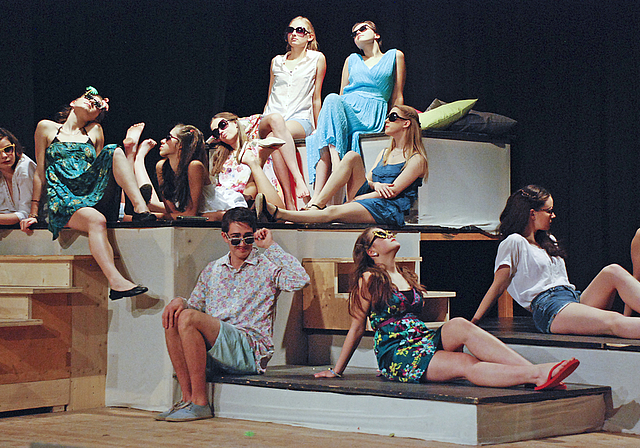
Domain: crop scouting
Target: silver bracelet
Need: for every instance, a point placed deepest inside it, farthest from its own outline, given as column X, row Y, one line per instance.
column 334, row 372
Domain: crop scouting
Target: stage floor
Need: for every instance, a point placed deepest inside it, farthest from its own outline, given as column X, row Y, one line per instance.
column 128, row 428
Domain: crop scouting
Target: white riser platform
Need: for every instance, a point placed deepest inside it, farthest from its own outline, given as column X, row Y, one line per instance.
column 452, row 415
column 617, row 369
column 469, row 181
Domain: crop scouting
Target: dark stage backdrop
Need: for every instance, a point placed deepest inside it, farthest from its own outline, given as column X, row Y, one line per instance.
column 568, row 71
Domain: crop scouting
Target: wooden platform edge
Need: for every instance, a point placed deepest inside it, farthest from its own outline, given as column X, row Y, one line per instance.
column 37, row 394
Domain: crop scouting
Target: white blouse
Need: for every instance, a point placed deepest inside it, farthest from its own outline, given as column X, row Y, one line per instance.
column 22, row 188
column 292, row 91
column 531, row 269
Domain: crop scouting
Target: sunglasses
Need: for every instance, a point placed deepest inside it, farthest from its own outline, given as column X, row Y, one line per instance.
column 362, row 29
column 382, row 234
column 169, row 137
column 222, row 125
column 9, row 149
column 393, row 116
column 95, row 101
column 300, row 31
column 236, row 240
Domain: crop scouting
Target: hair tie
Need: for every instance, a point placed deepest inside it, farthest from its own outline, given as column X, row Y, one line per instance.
column 92, row 90
column 525, row 194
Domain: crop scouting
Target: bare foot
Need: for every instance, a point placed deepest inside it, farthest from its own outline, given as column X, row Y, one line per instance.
column 301, row 190
column 130, row 142
column 146, row 146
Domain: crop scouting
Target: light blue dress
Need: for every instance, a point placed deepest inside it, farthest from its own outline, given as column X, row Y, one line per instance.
column 389, row 211
column 362, row 108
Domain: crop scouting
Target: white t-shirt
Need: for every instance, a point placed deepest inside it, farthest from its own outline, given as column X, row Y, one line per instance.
column 531, row 269
column 22, row 188
column 292, row 91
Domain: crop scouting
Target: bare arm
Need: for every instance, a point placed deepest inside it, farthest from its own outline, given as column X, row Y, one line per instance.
column 416, row 167
column 345, row 75
column 321, row 69
column 501, row 280
column 354, row 336
column 397, row 97
column 42, row 140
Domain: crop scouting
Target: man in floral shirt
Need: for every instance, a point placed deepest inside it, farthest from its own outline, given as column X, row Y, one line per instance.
column 227, row 323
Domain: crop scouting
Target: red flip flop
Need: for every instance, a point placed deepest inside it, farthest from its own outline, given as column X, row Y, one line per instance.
column 553, row 381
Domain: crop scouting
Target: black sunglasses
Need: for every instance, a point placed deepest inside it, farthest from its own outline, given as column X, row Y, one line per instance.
column 362, row 29
column 236, row 240
column 95, row 101
column 222, row 125
column 169, row 137
column 299, row 30
column 393, row 116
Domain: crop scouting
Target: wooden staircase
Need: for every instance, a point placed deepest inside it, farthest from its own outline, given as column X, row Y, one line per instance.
column 53, row 332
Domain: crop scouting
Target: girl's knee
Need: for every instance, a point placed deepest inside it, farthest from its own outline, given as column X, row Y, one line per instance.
column 351, row 157
column 186, row 319
column 614, row 270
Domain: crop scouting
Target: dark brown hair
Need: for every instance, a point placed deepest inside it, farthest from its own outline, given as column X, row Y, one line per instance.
column 379, row 286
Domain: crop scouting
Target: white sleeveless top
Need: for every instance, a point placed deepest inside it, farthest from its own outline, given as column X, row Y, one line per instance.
column 292, row 92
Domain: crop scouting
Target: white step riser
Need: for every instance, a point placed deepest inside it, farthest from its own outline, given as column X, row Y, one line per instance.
column 15, row 307
column 34, row 273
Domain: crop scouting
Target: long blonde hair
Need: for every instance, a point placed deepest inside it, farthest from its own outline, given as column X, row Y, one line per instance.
column 221, row 150
column 415, row 134
column 313, row 45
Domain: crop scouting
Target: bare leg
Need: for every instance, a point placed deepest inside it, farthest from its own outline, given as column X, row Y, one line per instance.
column 459, row 332
column 350, row 212
column 635, row 260
column 323, row 170
column 274, row 124
column 263, row 184
column 198, row 331
column 131, row 140
column 282, row 173
column 602, row 289
column 176, row 354
column 578, row 318
column 447, row 366
column 350, row 172
column 491, row 362
column 92, row 222
column 123, row 174
column 142, row 175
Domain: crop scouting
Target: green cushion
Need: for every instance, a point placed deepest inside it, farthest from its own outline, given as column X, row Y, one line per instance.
column 444, row 115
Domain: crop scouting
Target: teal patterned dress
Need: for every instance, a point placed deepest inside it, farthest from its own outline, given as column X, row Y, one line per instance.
column 403, row 343
column 76, row 178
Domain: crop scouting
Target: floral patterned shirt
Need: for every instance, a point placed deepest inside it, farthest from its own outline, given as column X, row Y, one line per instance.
column 246, row 298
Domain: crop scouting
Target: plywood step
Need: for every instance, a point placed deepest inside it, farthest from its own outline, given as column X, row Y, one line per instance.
column 4, row 323
column 15, row 303
column 38, row 270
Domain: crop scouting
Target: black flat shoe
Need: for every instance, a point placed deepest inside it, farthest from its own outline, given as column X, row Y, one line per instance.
column 262, row 210
column 139, row 289
column 143, row 217
column 146, row 191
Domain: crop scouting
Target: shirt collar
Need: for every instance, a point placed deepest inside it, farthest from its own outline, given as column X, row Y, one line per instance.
column 252, row 259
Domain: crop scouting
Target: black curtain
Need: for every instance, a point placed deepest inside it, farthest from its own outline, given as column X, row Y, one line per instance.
column 568, row 71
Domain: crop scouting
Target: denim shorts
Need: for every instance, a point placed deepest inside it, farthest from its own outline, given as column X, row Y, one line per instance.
column 306, row 125
column 231, row 353
column 546, row 305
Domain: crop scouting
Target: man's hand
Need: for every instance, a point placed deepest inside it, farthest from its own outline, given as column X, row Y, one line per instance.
column 171, row 313
column 263, row 238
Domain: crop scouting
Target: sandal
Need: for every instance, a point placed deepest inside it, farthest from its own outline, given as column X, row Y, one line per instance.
column 308, row 207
